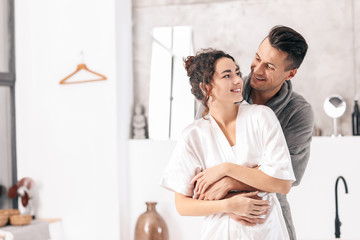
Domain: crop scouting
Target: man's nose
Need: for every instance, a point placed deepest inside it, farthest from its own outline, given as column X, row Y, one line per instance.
column 259, row 69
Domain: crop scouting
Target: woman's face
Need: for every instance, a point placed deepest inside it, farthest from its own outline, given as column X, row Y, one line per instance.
column 227, row 82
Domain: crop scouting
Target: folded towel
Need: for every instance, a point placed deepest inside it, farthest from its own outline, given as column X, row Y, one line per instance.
column 6, row 235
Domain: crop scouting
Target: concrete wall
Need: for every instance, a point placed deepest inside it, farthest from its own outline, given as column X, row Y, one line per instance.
column 238, row 27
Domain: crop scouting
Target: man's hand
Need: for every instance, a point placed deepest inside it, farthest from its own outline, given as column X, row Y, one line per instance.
column 220, row 189
column 208, row 177
column 216, row 191
column 245, row 220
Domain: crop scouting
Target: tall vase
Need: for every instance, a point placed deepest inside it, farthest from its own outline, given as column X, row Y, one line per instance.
column 150, row 225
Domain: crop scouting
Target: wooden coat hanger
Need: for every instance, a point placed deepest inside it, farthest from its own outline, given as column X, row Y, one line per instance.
column 82, row 66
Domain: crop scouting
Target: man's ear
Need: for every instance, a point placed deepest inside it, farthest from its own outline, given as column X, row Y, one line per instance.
column 291, row 74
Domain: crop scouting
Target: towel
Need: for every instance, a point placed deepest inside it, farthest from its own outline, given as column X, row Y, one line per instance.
column 6, row 235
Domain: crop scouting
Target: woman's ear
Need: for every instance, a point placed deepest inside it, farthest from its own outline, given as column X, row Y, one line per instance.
column 203, row 88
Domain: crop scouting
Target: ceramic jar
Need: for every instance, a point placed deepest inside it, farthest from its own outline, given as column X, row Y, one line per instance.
column 150, row 225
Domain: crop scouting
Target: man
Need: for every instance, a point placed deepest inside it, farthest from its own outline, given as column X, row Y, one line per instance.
column 276, row 62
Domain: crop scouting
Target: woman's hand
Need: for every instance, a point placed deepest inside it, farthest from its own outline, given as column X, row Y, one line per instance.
column 247, row 205
column 207, row 177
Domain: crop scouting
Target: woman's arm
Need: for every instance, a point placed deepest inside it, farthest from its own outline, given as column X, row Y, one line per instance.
column 257, row 178
column 244, row 204
column 251, row 176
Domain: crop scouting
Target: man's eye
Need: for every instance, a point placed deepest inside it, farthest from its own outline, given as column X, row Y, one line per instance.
column 270, row 67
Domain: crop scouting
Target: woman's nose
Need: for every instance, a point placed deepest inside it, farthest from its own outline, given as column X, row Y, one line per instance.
column 238, row 80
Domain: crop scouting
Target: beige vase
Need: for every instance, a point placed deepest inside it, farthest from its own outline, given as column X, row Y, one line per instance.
column 150, row 225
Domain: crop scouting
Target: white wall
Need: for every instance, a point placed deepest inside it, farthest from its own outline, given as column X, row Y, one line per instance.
column 312, row 203
column 69, row 136
column 147, row 160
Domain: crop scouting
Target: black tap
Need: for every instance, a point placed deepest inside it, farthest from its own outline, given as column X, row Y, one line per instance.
column 337, row 220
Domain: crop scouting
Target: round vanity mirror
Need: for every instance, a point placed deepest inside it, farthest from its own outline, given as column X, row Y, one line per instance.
column 335, row 107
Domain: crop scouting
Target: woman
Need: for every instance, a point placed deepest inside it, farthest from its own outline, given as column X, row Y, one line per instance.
column 232, row 139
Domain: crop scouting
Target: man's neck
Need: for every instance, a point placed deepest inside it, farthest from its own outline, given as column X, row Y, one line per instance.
column 260, row 98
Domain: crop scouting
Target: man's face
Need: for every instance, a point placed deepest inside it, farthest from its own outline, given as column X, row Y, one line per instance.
column 268, row 69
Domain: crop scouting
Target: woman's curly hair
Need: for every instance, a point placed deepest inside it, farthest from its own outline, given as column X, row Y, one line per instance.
column 200, row 69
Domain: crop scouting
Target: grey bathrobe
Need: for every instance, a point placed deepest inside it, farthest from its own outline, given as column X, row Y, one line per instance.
column 296, row 118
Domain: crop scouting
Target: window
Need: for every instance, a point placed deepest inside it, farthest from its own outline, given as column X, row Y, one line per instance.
column 8, row 176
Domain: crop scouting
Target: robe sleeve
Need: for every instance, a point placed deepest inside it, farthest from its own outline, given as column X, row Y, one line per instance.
column 275, row 160
column 182, row 167
column 298, row 134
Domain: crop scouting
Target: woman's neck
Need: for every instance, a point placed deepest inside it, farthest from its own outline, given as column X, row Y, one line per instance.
column 225, row 117
column 224, row 114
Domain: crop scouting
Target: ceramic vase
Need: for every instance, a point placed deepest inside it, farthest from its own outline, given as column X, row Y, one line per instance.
column 150, row 225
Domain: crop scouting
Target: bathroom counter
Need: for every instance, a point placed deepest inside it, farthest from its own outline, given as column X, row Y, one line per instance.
column 312, row 203
column 35, row 230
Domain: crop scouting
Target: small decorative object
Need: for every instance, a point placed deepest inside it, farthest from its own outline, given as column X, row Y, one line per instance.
column 19, row 220
column 23, row 190
column 356, row 119
column 5, row 214
column 4, row 217
column 316, row 131
column 150, row 225
column 139, row 123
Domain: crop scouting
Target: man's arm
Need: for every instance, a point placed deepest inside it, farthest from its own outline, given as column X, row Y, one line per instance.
column 298, row 134
column 221, row 188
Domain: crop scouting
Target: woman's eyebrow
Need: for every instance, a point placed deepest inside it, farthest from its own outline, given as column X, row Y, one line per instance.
column 226, row 71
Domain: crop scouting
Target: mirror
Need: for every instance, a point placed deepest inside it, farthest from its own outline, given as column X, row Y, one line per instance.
column 335, row 107
column 170, row 90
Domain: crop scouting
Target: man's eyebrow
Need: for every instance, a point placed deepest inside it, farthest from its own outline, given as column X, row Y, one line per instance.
column 267, row 62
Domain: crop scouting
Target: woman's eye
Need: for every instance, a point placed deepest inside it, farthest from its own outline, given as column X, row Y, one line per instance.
column 238, row 74
column 226, row 76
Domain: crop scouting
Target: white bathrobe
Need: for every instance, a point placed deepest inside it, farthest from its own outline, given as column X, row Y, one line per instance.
column 259, row 142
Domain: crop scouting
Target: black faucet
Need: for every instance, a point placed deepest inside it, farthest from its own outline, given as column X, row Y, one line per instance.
column 337, row 220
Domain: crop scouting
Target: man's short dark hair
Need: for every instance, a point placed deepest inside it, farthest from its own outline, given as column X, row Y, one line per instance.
column 288, row 40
